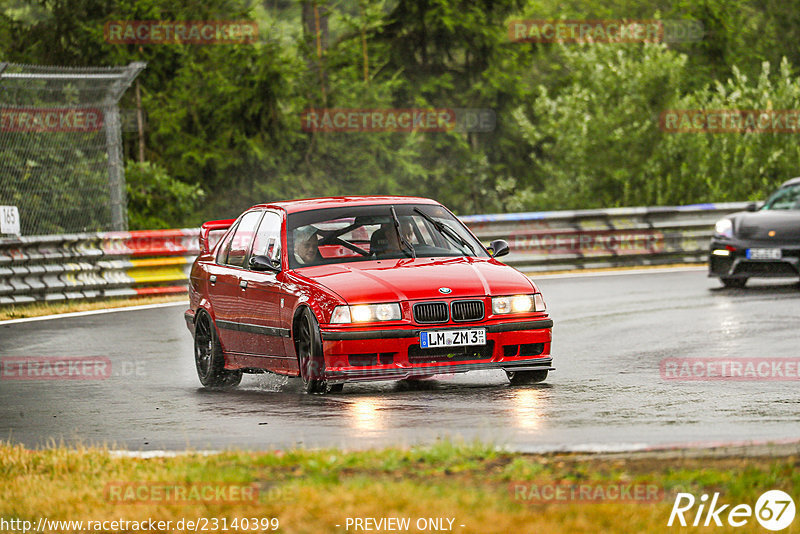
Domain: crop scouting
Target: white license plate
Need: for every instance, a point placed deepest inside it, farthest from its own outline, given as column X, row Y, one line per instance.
column 452, row 338
column 764, row 254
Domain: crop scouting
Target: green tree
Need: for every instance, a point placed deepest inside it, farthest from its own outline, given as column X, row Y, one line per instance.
column 594, row 138
column 696, row 167
column 155, row 200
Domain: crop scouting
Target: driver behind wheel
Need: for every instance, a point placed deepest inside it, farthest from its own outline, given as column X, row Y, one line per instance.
column 306, row 246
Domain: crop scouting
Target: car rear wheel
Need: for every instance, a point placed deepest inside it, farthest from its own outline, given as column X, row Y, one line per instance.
column 208, row 357
column 734, row 282
column 522, row 378
column 308, row 343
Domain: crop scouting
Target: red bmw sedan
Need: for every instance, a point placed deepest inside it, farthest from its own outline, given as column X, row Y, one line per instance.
column 347, row 289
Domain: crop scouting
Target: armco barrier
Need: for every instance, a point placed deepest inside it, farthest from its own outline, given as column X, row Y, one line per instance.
column 101, row 265
column 157, row 262
column 565, row 240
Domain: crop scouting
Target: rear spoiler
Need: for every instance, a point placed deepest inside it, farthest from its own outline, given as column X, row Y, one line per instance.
column 212, row 226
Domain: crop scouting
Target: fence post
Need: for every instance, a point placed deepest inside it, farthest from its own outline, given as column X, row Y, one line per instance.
column 113, row 129
column 64, row 152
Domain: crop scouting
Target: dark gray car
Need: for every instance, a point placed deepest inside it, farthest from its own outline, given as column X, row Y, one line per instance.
column 760, row 242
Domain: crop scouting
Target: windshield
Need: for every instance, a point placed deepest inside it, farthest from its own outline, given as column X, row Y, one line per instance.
column 362, row 233
column 785, row 198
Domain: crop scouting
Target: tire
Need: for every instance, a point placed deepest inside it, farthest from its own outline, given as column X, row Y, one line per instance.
column 733, row 283
column 208, row 357
column 524, row 378
column 308, row 344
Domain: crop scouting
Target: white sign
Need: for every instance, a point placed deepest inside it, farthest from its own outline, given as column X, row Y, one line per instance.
column 9, row 220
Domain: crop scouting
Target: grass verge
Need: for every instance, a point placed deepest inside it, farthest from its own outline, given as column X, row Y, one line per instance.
column 38, row 309
column 474, row 485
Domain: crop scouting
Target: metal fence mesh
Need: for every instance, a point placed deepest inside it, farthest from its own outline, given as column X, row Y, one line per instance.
column 61, row 147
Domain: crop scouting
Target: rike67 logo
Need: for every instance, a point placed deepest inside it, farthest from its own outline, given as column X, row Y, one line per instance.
column 774, row 510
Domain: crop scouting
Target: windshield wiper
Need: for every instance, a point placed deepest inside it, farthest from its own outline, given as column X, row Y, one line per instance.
column 445, row 230
column 400, row 237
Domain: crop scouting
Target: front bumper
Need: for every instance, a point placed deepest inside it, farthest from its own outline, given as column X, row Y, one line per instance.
column 393, row 354
column 400, row 373
column 737, row 265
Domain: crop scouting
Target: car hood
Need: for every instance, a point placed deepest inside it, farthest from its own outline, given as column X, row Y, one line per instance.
column 757, row 225
column 417, row 279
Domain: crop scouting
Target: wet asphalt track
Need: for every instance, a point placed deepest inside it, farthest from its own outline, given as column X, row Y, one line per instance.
column 611, row 333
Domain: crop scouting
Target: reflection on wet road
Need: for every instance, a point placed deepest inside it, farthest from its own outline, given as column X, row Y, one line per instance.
column 611, row 334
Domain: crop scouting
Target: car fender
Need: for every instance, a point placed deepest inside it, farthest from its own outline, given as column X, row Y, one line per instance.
column 204, row 305
column 302, row 305
column 319, row 299
column 534, row 286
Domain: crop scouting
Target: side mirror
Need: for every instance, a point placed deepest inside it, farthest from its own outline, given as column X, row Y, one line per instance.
column 498, row 248
column 753, row 206
column 263, row 263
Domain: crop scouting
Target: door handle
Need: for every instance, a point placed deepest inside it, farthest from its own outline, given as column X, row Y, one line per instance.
column 212, row 279
column 243, row 284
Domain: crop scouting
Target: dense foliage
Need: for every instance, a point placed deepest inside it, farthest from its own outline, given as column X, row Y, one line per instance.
column 577, row 124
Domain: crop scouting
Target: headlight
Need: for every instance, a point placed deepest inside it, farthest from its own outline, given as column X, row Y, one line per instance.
column 518, row 304
column 724, row 227
column 366, row 313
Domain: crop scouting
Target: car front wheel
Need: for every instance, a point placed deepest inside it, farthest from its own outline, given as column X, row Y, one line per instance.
column 208, row 357
column 522, row 378
column 308, row 343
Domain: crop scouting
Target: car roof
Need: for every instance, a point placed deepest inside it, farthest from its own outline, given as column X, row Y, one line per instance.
column 294, row 206
column 793, row 181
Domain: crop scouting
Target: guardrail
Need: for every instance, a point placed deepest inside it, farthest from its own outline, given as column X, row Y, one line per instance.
column 157, row 262
column 100, row 265
column 615, row 237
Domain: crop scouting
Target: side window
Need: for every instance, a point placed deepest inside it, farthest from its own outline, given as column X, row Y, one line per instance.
column 786, row 199
column 268, row 238
column 222, row 251
column 240, row 243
